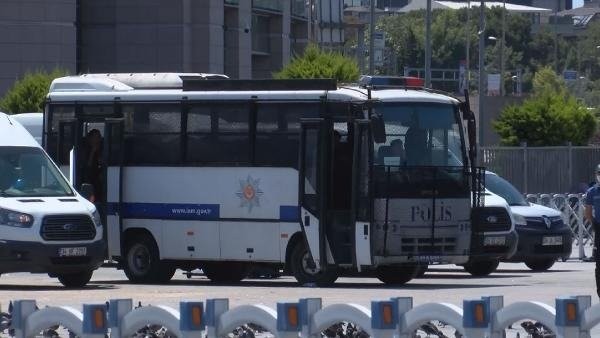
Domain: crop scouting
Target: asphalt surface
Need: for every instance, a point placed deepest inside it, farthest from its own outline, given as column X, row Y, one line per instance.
column 442, row 283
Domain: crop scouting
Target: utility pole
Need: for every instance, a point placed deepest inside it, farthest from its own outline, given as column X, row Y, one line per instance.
column 468, row 46
column 502, row 48
column 371, row 39
column 481, row 70
column 428, row 46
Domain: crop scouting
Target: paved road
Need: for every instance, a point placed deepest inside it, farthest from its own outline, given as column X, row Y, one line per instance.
column 445, row 283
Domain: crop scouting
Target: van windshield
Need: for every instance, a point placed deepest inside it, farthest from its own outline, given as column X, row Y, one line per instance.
column 28, row 172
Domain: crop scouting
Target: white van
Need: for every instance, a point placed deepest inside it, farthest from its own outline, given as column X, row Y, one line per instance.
column 45, row 225
column 33, row 123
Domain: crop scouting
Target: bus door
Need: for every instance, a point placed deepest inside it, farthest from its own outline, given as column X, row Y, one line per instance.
column 113, row 159
column 68, row 144
column 315, row 136
column 361, row 199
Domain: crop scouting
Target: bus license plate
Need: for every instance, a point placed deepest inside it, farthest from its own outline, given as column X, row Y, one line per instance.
column 494, row 240
column 70, row 252
column 552, row 240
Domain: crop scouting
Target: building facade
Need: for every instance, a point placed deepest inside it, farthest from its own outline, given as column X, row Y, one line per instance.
column 240, row 38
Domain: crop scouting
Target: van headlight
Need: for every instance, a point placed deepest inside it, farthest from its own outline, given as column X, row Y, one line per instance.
column 15, row 219
column 520, row 220
column 96, row 218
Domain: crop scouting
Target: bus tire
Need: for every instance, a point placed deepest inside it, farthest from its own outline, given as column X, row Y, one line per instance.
column 75, row 280
column 481, row 268
column 304, row 270
column 397, row 274
column 539, row 265
column 143, row 264
column 225, row 272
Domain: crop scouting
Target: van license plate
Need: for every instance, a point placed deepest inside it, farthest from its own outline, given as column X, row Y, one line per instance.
column 69, row 252
column 552, row 240
column 494, row 240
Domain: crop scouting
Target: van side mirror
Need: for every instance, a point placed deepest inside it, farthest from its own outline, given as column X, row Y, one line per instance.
column 87, row 191
column 378, row 128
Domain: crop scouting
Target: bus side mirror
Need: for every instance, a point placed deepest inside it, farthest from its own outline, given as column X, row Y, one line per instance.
column 378, row 128
column 87, row 191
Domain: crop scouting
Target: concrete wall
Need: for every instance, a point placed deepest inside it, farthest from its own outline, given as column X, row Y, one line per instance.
column 34, row 35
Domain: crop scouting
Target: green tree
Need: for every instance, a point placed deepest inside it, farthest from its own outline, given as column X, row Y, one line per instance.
column 552, row 116
column 28, row 94
column 317, row 64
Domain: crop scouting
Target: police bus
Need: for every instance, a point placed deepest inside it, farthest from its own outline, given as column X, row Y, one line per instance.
column 200, row 171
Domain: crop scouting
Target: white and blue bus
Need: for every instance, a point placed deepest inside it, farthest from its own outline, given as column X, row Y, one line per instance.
column 199, row 171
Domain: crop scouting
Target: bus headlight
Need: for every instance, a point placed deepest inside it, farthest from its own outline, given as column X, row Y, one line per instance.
column 15, row 219
column 96, row 218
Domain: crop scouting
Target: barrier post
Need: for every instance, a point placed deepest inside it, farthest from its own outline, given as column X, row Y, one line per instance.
column 21, row 309
column 476, row 319
column 403, row 305
column 117, row 309
column 191, row 323
column 384, row 318
column 94, row 320
column 585, row 302
column 214, row 309
column 495, row 303
column 308, row 307
column 288, row 320
column 567, row 318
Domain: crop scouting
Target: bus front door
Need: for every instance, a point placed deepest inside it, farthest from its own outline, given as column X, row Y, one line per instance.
column 361, row 199
column 113, row 159
column 313, row 166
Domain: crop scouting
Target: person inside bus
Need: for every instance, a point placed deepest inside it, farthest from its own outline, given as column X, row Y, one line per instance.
column 93, row 162
column 397, row 151
column 416, row 147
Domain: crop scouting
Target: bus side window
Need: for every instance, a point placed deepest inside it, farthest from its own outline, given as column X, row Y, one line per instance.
column 153, row 133
column 278, row 132
column 57, row 113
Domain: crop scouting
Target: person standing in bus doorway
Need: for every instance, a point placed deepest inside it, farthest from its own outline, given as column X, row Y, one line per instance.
column 93, row 163
column 592, row 214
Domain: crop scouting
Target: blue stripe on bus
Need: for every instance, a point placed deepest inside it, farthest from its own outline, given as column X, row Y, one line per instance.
column 289, row 213
column 178, row 211
column 175, row 211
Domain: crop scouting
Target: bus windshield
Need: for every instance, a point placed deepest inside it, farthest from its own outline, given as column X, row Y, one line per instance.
column 28, row 172
column 420, row 134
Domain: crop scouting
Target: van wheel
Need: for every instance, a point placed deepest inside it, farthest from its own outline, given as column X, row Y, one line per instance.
column 481, row 268
column 225, row 272
column 540, row 264
column 142, row 262
column 397, row 274
column 75, row 280
column 306, row 272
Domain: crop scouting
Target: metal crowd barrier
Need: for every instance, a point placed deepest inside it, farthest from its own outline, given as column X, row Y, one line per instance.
column 572, row 208
column 571, row 317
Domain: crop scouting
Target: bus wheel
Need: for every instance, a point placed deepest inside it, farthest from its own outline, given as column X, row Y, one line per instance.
column 481, row 268
column 142, row 262
column 540, row 264
column 75, row 280
column 397, row 274
column 225, row 272
column 306, row 272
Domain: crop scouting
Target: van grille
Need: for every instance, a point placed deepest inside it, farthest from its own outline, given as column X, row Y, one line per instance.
column 490, row 219
column 68, row 228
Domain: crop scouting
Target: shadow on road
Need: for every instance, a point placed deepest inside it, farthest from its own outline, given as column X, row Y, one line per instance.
column 90, row 287
column 291, row 283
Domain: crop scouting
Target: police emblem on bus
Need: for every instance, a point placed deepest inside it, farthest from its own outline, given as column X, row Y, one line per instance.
column 249, row 193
